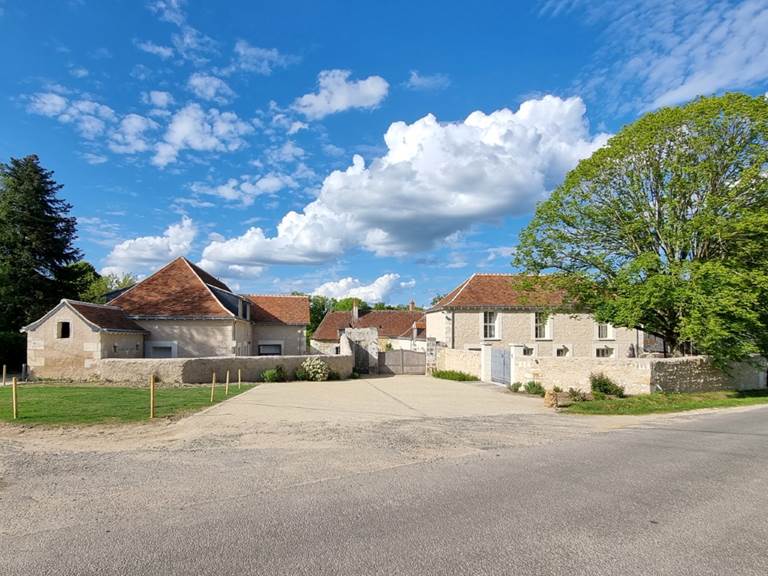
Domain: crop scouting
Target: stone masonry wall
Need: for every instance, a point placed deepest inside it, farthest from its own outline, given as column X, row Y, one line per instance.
column 200, row 370
column 697, row 374
column 461, row 360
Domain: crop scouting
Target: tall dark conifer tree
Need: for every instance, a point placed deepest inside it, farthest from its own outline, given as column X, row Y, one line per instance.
column 36, row 242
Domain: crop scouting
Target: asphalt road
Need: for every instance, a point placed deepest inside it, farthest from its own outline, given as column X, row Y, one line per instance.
column 687, row 495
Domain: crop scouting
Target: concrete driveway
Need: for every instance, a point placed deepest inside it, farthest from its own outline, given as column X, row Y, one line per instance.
column 373, row 399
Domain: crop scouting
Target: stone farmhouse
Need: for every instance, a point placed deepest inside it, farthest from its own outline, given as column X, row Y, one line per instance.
column 180, row 311
column 397, row 329
column 497, row 310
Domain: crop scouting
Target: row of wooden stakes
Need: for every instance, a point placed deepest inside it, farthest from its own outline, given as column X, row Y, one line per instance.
column 152, row 403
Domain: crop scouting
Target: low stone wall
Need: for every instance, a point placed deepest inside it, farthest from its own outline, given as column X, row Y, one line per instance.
column 641, row 375
column 697, row 374
column 633, row 374
column 461, row 360
column 200, row 370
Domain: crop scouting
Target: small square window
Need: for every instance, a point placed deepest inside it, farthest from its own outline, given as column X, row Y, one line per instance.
column 563, row 352
column 63, row 330
column 604, row 352
column 527, row 351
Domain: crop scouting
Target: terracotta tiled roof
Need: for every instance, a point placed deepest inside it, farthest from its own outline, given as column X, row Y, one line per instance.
column 279, row 309
column 503, row 291
column 178, row 290
column 390, row 323
column 108, row 318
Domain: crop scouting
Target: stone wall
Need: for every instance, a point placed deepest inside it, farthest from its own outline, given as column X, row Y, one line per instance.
column 697, row 374
column 461, row 360
column 200, row 370
column 633, row 374
column 641, row 375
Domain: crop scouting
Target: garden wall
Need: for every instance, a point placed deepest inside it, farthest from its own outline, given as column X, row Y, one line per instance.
column 641, row 375
column 200, row 370
column 461, row 360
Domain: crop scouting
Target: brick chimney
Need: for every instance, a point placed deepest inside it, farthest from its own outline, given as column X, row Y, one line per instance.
column 411, row 306
column 355, row 312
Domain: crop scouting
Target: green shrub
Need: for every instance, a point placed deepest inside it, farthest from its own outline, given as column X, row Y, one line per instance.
column 557, row 389
column 316, row 369
column 276, row 374
column 454, row 375
column 534, row 388
column 576, row 395
column 354, row 375
column 300, row 374
column 333, row 375
column 515, row 386
column 600, row 383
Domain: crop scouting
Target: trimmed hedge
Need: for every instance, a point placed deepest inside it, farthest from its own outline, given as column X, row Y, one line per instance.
column 454, row 375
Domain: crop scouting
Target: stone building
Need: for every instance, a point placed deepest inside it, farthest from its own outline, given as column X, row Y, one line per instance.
column 503, row 309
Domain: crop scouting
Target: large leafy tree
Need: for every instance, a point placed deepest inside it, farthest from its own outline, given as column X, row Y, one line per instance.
column 36, row 241
column 83, row 282
column 666, row 228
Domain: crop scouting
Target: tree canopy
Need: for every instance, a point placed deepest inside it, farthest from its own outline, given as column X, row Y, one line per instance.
column 666, row 227
column 36, row 242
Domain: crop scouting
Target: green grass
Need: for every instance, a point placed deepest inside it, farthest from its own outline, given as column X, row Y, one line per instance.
column 454, row 375
column 663, row 402
column 52, row 404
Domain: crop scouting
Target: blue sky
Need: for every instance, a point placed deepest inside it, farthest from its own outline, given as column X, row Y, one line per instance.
column 383, row 150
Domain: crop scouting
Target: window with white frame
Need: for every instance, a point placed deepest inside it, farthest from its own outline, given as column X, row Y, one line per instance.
column 604, row 331
column 562, row 351
column 490, row 328
column 542, row 326
column 604, row 352
column 527, row 351
column 63, row 329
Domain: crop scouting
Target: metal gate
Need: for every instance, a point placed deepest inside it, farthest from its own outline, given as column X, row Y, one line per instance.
column 500, row 365
column 402, row 362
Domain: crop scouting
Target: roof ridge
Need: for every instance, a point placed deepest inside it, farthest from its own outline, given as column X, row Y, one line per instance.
column 140, row 282
column 278, row 295
column 208, row 287
column 94, row 304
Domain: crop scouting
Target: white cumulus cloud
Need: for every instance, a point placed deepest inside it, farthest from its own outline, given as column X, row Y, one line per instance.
column 129, row 138
column 435, row 179
column 90, row 118
column 164, row 52
column 246, row 188
column 148, row 252
column 336, row 94
column 193, row 128
column 426, row 82
column 377, row 291
column 210, row 87
column 157, row 98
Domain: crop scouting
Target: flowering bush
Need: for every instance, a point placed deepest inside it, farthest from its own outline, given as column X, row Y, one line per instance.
column 315, row 369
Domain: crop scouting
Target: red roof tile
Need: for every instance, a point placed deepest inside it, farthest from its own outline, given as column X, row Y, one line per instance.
column 108, row 318
column 503, row 291
column 390, row 323
column 279, row 309
column 177, row 290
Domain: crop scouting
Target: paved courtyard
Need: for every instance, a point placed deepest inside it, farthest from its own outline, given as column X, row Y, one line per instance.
column 400, row 475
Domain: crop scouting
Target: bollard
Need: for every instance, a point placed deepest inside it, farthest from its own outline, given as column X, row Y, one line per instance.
column 213, row 385
column 4, row 372
column 239, row 378
column 226, row 386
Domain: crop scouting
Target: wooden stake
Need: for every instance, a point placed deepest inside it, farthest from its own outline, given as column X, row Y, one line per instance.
column 152, row 396
column 239, row 378
column 15, row 400
column 213, row 385
column 4, row 367
column 226, row 386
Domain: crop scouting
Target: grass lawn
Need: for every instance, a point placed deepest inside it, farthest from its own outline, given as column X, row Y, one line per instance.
column 52, row 404
column 662, row 402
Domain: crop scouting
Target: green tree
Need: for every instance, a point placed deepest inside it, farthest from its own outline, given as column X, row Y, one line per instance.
column 84, row 283
column 345, row 305
column 36, row 242
column 666, row 228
